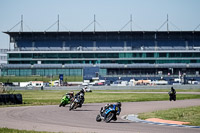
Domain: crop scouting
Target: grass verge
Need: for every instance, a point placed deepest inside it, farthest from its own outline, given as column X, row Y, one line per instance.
column 189, row 114
column 150, row 90
column 53, row 97
column 7, row 130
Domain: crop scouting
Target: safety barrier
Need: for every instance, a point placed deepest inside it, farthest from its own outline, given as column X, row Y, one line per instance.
column 10, row 99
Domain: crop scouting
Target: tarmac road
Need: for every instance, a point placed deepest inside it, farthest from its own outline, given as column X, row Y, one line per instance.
column 59, row 119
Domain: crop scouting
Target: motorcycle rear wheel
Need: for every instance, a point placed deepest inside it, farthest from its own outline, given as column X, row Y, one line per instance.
column 175, row 98
column 109, row 117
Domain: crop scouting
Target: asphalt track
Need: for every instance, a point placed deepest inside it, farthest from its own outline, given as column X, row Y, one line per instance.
column 59, row 119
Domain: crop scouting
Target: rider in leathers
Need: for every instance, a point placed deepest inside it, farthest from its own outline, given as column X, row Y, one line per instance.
column 81, row 94
column 118, row 104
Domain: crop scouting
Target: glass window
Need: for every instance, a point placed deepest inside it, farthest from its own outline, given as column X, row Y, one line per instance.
column 156, row 55
column 103, row 72
column 179, row 55
column 88, row 55
column 26, row 55
column 196, row 54
column 172, row 61
column 162, row 54
column 149, row 55
column 76, row 55
column 128, row 55
column 112, row 55
column 63, row 55
column 49, row 72
column 40, row 72
column 63, row 71
column 39, row 55
column 50, row 55
column 186, row 54
column 75, row 72
column 14, row 55
column 137, row 55
column 143, row 55
column 25, row 72
column 125, row 55
column 121, row 55
column 4, row 72
column 100, row 55
column 13, row 72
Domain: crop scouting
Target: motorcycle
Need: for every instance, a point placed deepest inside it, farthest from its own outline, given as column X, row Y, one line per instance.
column 66, row 100
column 109, row 113
column 172, row 96
column 77, row 101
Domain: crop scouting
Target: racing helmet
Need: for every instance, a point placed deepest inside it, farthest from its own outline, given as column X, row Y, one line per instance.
column 119, row 104
column 84, row 89
column 71, row 93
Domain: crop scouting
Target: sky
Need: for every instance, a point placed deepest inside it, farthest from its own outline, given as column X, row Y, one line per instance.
column 111, row 15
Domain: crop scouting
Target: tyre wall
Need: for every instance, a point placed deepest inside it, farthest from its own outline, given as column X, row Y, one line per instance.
column 10, row 99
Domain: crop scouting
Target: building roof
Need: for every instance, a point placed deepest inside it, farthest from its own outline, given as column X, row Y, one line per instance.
column 107, row 34
column 102, row 41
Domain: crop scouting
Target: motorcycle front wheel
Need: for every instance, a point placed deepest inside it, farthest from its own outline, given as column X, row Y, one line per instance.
column 71, row 106
column 98, row 118
column 109, row 117
column 61, row 104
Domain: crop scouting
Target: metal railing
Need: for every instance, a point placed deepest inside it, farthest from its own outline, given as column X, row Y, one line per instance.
column 105, row 49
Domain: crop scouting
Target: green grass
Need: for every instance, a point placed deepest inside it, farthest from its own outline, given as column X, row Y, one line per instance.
column 151, row 90
column 189, row 114
column 53, row 97
column 10, row 79
column 132, row 97
column 6, row 130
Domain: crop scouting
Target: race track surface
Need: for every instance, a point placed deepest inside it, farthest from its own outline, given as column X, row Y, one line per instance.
column 59, row 119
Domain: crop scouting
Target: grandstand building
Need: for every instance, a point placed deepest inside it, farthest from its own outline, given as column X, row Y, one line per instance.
column 109, row 55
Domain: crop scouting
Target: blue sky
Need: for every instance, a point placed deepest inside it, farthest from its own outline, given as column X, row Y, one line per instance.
column 112, row 15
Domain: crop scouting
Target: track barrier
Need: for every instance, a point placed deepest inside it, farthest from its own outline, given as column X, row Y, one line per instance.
column 10, row 99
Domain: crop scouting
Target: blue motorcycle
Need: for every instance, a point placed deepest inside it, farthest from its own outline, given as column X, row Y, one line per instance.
column 109, row 113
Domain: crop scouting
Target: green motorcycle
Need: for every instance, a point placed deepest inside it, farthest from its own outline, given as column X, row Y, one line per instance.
column 66, row 99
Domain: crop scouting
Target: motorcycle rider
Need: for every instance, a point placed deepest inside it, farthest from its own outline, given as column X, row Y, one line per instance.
column 81, row 94
column 70, row 94
column 173, row 90
column 83, row 90
column 172, row 93
column 118, row 104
